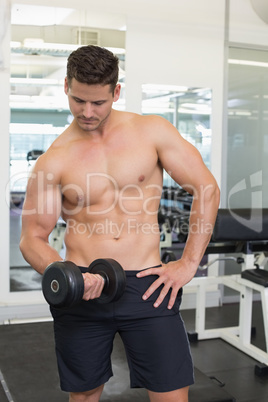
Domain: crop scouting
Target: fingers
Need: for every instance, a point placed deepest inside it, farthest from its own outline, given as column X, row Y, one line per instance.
column 149, row 271
column 166, row 288
column 163, row 294
column 93, row 285
column 163, row 279
column 152, row 288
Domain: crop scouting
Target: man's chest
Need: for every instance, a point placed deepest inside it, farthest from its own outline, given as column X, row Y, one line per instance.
column 105, row 173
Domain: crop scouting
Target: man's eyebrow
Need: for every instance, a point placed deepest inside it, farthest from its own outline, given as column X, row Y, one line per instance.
column 76, row 97
column 82, row 100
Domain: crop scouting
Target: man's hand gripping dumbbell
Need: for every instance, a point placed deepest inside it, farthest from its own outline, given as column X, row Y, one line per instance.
column 63, row 284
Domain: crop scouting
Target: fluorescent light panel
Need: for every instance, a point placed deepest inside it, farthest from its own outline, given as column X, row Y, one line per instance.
column 250, row 63
column 24, row 14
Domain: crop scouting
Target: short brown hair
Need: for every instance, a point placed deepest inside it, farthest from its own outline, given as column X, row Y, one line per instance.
column 93, row 65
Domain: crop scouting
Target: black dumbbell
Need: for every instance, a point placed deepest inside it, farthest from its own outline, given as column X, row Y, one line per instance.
column 63, row 282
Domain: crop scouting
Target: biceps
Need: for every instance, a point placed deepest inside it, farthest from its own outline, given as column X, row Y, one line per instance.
column 43, row 201
column 41, row 211
column 184, row 164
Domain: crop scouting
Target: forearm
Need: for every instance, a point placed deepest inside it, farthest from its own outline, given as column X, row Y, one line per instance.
column 38, row 253
column 201, row 224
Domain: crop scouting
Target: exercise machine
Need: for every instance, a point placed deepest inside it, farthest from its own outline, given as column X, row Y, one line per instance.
column 243, row 231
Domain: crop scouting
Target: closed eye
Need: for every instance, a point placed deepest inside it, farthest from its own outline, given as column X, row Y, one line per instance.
column 77, row 100
column 99, row 103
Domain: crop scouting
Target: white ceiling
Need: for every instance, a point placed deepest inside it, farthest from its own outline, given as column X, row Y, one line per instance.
column 113, row 14
column 40, row 15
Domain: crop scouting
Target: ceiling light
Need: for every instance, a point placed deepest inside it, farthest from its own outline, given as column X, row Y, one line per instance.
column 35, row 81
column 24, row 14
column 250, row 63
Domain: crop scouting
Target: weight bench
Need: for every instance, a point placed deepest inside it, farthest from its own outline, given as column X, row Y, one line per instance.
column 247, row 230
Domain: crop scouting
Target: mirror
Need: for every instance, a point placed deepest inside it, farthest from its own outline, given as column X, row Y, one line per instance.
column 41, row 40
column 189, row 110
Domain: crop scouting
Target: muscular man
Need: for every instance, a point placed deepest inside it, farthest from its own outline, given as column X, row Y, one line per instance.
column 103, row 175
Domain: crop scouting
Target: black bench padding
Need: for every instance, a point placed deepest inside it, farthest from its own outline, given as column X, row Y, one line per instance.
column 259, row 276
column 243, row 224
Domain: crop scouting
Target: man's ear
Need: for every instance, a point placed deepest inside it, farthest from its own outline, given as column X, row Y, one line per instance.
column 66, row 86
column 117, row 91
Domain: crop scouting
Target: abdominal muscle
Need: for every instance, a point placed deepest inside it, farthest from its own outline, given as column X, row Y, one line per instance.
column 132, row 241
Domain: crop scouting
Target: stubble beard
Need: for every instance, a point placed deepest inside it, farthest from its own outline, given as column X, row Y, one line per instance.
column 93, row 124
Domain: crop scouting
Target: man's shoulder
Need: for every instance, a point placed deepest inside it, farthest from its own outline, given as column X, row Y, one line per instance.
column 141, row 119
column 61, row 142
column 54, row 156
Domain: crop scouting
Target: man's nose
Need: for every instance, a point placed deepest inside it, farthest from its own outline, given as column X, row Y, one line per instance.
column 87, row 110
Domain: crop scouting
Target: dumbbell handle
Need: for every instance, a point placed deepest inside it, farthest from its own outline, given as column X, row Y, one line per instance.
column 105, row 278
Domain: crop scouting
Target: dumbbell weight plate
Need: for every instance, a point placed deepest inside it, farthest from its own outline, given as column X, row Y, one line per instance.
column 115, row 279
column 63, row 284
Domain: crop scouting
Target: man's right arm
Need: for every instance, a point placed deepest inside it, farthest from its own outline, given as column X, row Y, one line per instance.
column 41, row 211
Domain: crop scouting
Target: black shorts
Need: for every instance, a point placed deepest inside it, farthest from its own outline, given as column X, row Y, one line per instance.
column 155, row 341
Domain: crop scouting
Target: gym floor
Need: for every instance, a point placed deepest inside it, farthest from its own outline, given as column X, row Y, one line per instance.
column 29, row 372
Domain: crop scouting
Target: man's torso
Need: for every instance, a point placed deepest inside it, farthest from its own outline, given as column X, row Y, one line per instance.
column 111, row 188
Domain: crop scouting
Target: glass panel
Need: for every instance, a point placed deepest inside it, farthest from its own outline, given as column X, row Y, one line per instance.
column 188, row 109
column 39, row 113
column 247, row 173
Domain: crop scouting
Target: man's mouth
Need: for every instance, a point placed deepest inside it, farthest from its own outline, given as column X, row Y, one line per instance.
column 88, row 120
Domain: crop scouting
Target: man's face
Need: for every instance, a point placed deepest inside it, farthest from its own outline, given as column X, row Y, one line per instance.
column 90, row 104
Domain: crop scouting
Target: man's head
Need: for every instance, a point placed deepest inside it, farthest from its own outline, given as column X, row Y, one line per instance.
column 93, row 65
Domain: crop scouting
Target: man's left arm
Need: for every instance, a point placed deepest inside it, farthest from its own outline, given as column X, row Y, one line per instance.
column 185, row 165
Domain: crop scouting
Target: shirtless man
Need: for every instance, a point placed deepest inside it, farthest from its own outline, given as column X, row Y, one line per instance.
column 103, row 175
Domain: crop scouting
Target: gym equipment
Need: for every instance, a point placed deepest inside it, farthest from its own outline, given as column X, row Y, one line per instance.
column 177, row 196
column 238, row 231
column 34, row 154
column 168, row 256
column 63, row 282
column 174, row 222
column 56, row 238
column 173, row 215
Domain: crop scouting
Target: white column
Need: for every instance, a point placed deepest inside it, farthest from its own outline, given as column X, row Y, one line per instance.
column 4, row 149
